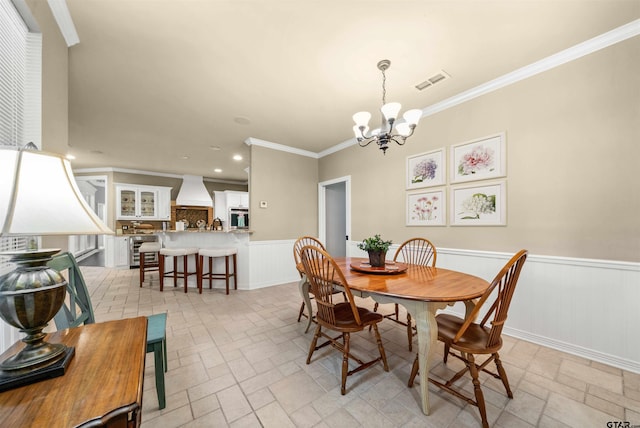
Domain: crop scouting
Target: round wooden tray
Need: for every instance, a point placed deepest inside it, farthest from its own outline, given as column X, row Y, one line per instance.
column 390, row 268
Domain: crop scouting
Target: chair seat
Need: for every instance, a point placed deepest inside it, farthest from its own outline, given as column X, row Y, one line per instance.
column 217, row 252
column 150, row 247
column 179, row 251
column 345, row 320
column 474, row 340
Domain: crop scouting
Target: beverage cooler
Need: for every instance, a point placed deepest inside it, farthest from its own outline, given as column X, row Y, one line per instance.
column 134, row 250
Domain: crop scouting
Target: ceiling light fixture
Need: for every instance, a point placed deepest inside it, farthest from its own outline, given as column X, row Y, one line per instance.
column 390, row 111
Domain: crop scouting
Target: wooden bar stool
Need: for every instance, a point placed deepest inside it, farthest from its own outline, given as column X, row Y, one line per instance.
column 146, row 265
column 175, row 274
column 212, row 253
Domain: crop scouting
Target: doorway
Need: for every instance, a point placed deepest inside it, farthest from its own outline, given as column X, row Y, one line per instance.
column 89, row 249
column 334, row 215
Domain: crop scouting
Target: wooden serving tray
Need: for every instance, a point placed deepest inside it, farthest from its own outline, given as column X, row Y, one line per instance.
column 390, row 268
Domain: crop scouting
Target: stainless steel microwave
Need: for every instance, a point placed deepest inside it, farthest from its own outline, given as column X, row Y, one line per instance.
column 238, row 218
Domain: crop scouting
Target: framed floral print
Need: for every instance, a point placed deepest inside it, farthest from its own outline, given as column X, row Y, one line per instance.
column 426, row 169
column 426, row 208
column 479, row 159
column 479, row 205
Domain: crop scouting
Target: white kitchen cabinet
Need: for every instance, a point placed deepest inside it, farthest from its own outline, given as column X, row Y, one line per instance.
column 116, row 251
column 229, row 199
column 138, row 202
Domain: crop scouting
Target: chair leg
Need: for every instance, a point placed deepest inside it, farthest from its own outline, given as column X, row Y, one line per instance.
column 175, row 271
column 210, row 272
column 199, row 273
column 503, row 375
column 161, row 271
column 226, row 272
column 186, row 273
column 345, row 362
column 446, row 353
column 141, row 268
column 473, row 369
column 160, row 369
column 414, row 371
column 314, row 342
column 301, row 311
column 235, row 273
column 409, row 332
column 383, row 355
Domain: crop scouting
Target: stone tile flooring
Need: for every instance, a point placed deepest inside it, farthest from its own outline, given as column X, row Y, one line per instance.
column 239, row 361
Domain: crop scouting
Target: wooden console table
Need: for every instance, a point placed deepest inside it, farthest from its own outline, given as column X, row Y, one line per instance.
column 102, row 385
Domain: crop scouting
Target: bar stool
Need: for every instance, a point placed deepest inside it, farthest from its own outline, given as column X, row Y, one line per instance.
column 145, row 265
column 175, row 253
column 212, row 253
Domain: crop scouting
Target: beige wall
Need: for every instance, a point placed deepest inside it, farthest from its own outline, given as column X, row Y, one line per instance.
column 573, row 145
column 288, row 183
column 55, row 100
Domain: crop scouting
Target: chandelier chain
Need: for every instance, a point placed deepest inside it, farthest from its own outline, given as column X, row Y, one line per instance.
column 384, row 88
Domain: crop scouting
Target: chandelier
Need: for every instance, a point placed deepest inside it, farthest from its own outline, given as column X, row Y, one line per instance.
column 385, row 134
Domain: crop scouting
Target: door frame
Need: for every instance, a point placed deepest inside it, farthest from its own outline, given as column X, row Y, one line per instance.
column 322, row 206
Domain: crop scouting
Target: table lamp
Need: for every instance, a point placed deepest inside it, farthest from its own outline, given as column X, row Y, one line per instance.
column 38, row 196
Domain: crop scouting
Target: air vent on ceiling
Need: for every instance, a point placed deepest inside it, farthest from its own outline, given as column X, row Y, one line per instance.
column 436, row 78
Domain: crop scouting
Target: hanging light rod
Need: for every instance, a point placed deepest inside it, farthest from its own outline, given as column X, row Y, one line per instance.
column 385, row 134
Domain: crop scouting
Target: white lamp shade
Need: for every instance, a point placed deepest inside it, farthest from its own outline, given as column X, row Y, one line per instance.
column 39, row 196
column 362, row 118
column 412, row 117
column 391, row 110
column 403, row 129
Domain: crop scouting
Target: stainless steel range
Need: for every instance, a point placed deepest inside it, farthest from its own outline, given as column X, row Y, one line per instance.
column 134, row 247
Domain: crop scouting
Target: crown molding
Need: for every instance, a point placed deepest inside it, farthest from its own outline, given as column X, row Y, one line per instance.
column 61, row 13
column 251, row 141
column 153, row 173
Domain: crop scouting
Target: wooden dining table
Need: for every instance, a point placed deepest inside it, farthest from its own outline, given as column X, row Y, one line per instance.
column 421, row 290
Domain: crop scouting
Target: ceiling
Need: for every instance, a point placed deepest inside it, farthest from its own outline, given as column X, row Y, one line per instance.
column 178, row 86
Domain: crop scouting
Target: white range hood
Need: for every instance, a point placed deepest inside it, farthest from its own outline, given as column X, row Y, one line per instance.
column 193, row 192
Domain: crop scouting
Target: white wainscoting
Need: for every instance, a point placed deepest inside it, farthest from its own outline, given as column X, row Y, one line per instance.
column 584, row 307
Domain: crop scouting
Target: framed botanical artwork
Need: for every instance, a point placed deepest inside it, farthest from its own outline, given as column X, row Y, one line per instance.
column 426, row 208
column 426, row 169
column 479, row 205
column 479, row 159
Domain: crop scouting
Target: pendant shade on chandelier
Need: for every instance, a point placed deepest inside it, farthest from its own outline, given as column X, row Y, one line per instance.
column 390, row 130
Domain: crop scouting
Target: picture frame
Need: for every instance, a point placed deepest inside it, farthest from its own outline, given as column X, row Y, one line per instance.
column 426, row 169
column 482, row 204
column 427, row 208
column 479, row 159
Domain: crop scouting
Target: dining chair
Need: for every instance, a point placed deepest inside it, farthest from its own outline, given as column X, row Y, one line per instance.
column 415, row 251
column 77, row 310
column 483, row 338
column 344, row 317
column 297, row 248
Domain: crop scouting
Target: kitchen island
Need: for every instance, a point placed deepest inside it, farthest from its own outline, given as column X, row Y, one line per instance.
column 235, row 238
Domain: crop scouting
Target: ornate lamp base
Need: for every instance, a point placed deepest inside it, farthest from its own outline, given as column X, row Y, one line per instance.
column 30, row 297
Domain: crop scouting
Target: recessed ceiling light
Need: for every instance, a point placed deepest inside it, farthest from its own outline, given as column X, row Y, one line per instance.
column 237, row 157
column 215, row 148
column 217, row 170
column 185, row 157
column 70, row 157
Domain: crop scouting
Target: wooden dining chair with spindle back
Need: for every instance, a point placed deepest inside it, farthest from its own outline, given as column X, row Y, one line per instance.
column 344, row 317
column 483, row 338
column 297, row 248
column 415, row 251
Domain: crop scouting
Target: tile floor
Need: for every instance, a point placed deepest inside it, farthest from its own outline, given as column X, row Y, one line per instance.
column 239, row 361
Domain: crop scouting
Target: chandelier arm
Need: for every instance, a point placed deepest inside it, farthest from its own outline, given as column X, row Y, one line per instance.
column 368, row 141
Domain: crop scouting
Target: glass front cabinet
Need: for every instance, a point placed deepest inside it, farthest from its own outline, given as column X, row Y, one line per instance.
column 135, row 202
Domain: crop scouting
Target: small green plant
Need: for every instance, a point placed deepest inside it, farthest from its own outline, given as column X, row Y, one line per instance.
column 374, row 244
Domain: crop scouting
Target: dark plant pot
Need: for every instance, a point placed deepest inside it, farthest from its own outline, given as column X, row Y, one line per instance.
column 376, row 258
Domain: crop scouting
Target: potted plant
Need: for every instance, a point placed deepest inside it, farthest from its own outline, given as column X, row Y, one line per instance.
column 377, row 249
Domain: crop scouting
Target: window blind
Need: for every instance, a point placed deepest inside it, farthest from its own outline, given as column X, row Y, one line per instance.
column 20, row 93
